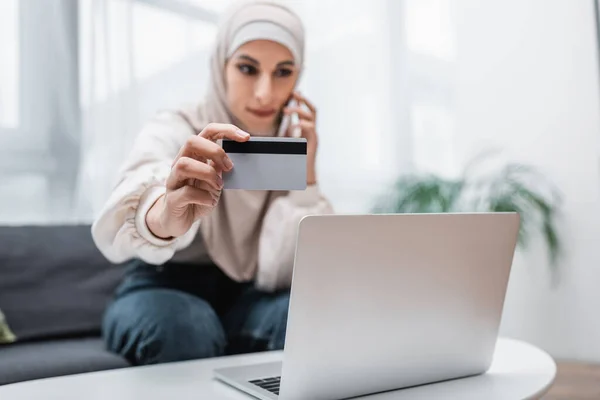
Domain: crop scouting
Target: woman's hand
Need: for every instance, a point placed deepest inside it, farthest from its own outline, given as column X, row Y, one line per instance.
column 195, row 182
column 307, row 123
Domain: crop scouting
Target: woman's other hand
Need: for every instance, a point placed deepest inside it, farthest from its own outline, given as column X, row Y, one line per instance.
column 195, row 182
column 307, row 115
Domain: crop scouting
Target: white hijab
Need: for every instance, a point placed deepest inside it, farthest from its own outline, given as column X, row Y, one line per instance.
column 231, row 232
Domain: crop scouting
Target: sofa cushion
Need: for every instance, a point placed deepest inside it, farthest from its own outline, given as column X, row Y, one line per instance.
column 34, row 360
column 53, row 281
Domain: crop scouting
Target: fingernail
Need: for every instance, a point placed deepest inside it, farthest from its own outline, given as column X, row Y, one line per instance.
column 227, row 162
column 242, row 134
column 219, row 181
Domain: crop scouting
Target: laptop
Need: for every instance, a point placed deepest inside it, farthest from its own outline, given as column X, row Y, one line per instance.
column 384, row 302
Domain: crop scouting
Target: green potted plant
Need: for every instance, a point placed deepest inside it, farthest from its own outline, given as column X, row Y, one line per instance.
column 509, row 187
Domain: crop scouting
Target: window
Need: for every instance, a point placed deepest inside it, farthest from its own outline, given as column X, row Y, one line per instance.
column 74, row 90
column 88, row 73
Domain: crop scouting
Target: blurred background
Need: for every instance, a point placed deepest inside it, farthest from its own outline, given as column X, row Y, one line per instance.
column 409, row 92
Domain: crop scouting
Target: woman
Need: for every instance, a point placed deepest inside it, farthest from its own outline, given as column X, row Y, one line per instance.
column 212, row 269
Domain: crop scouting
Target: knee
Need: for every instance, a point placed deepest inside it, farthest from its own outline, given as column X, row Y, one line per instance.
column 161, row 325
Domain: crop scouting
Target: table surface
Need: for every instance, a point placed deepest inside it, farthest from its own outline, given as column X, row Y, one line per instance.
column 519, row 371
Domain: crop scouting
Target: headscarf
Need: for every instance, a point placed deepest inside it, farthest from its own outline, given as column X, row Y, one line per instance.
column 231, row 231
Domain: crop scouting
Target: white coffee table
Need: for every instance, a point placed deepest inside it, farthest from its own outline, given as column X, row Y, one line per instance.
column 519, row 371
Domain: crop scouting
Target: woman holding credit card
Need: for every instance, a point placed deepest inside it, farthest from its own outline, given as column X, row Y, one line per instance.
column 210, row 270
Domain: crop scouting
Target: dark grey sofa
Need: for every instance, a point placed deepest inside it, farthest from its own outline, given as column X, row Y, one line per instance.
column 54, row 287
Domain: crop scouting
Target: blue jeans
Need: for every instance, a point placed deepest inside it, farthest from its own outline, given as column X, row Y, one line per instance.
column 179, row 312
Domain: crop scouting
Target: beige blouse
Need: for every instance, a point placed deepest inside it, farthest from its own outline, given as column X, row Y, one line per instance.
column 268, row 236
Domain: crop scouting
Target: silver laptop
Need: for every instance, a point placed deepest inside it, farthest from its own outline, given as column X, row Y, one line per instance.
column 383, row 302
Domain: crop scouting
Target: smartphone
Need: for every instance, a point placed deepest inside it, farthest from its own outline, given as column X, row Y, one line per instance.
column 290, row 120
column 266, row 163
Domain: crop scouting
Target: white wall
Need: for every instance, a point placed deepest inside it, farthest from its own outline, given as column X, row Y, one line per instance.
column 527, row 81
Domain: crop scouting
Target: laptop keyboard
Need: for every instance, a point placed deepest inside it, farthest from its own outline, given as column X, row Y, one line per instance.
column 270, row 384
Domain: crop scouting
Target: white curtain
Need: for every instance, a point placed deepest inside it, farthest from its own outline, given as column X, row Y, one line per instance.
column 109, row 97
column 349, row 77
column 381, row 74
column 136, row 58
column 380, row 84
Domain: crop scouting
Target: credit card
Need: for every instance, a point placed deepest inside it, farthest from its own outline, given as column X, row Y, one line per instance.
column 266, row 163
